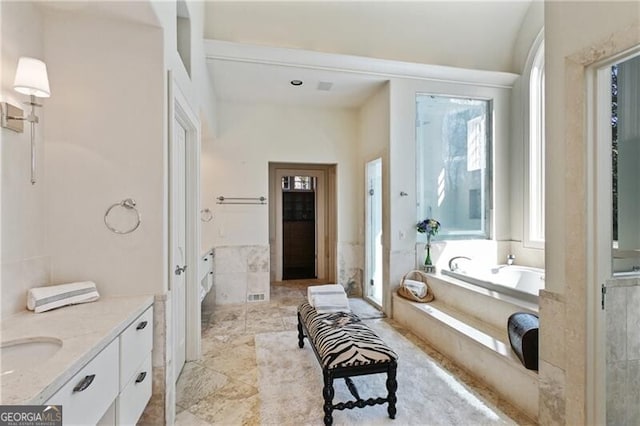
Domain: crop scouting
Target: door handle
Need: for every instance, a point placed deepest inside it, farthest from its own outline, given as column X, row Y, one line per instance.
column 141, row 377
column 84, row 383
column 180, row 270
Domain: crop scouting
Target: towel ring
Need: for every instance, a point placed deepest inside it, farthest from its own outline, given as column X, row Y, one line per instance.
column 129, row 204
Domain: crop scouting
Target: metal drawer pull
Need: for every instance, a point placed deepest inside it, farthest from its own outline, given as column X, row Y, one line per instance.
column 142, row 325
column 141, row 377
column 84, row 383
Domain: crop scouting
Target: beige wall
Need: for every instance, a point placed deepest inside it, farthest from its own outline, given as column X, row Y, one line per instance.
column 25, row 255
column 531, row 27
column 197, row 87
column 374, row 137
column 565, row 34
column 236, row 164
column 612, row 27
column 104, row 144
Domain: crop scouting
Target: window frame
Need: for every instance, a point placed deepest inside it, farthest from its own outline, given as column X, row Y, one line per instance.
column 534, row 147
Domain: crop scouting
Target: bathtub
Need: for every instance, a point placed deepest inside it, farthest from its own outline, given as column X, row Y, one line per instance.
column 521, row 282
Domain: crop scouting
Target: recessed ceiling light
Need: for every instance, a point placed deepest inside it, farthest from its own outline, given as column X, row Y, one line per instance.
column 296, row 82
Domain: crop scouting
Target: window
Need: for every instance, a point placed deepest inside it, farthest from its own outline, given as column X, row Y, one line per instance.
column 623, row 107
column 453, row 137
column 298, row 183
column 534, row 199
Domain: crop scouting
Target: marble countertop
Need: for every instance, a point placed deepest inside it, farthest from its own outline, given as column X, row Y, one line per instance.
column 84, row 330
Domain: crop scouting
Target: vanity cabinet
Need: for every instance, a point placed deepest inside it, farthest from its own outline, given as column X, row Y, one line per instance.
column 135, row 369
column 115, row 386
column 205, row 275
column 88, row 394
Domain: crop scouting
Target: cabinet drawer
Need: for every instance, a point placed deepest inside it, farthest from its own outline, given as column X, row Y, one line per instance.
column 135, row 395
column 135, row 345
column 88, row 394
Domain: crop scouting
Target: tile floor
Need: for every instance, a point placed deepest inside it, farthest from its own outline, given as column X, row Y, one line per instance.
column 222, row 387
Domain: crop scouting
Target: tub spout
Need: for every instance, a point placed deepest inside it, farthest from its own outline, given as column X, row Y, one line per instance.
column 454, row 265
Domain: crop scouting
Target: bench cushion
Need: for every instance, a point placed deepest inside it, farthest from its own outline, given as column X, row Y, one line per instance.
column 342, row 340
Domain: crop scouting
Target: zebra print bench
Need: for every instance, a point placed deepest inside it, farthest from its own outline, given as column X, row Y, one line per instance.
column 346, row 347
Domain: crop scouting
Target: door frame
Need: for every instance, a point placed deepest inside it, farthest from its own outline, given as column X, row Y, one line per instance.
column 326, row 245
column 180, row 110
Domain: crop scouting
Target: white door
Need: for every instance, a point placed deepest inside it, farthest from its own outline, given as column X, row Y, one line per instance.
column 178, row 220
column 373, row 231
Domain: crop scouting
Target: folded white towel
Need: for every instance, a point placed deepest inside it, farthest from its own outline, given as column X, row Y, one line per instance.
column 329, row 303
column 41, row 299
column 417, row 287
column 327, row 289
column 323, row 308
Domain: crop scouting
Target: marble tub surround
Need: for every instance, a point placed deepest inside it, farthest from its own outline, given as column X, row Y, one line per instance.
column 239, row 271
column 84, row 330
column 249, row 374
column 482, row 350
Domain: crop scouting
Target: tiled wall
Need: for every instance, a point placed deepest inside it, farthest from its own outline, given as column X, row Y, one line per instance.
column 623, row 351
column 161, row 407
column 240, row 271
column 243, row 270
column 350, row 267
column 553, row 360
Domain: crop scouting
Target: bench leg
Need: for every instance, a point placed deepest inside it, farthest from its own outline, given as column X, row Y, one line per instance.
column 352, row 388
column 327, row 393
column 392, row 386
column 300, row 333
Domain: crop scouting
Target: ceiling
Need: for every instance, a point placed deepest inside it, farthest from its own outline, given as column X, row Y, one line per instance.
column 472, row 34
column 131, row 11
column 466, row 34
column 267, row 83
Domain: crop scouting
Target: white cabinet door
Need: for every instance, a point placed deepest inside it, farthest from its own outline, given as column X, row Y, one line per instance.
column 87, row 396
column 135, row 345
column 135, row 395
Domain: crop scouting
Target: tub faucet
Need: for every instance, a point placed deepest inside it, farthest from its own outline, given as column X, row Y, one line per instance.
column 510, row 259
column 453, row 266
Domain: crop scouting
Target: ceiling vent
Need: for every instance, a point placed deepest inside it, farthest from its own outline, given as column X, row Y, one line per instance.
column 325, row 86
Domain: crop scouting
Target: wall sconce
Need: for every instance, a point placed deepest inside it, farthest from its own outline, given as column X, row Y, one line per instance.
column 31, row 79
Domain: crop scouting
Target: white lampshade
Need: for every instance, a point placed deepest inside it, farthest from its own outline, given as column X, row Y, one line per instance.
column 31, row 78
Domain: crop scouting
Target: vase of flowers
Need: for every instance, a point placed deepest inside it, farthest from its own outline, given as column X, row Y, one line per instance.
column 429, row 227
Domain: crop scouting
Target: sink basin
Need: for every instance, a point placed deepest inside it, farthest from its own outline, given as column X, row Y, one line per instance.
column 24, row 353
